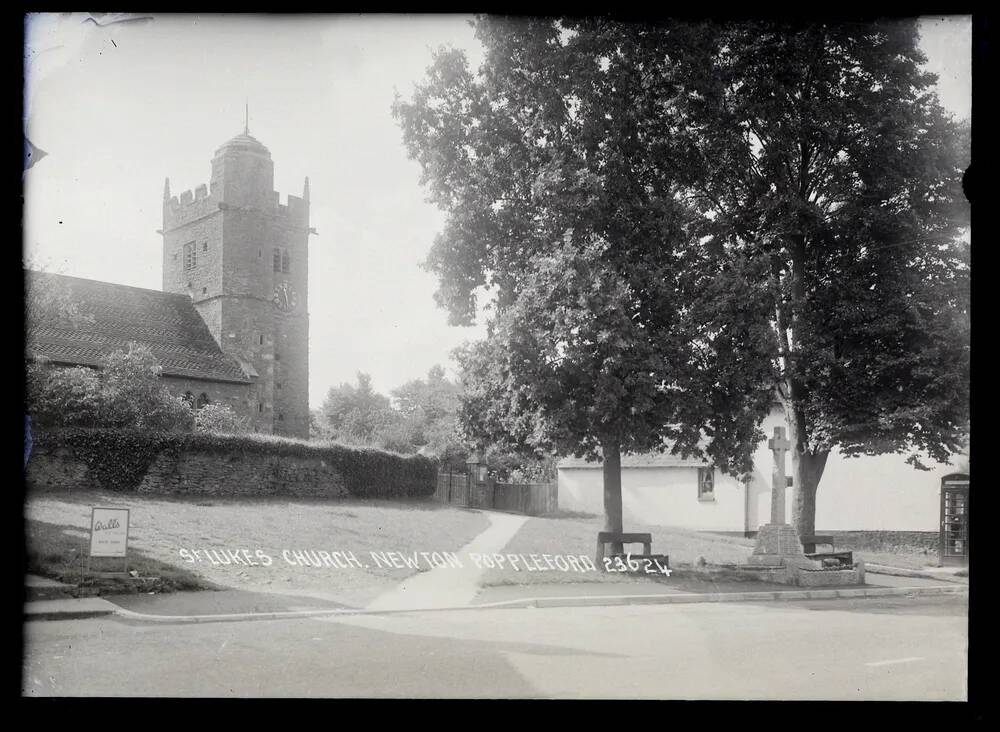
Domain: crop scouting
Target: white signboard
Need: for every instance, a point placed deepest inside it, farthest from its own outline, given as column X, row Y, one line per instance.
column 108, row 532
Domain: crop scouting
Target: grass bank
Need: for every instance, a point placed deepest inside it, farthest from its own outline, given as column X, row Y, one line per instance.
column 165, row 532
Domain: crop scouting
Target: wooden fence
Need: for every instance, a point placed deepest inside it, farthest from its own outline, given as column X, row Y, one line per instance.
column 532, row 499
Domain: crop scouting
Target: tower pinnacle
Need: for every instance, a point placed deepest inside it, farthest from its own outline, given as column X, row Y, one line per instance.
column 246, row 119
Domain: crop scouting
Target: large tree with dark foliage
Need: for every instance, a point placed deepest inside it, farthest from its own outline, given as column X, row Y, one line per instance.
column 821, row 152
column 791, row 189
column 605, row 336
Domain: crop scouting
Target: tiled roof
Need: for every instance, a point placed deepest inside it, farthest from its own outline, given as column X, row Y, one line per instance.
column 82, row 322
column 648, row 460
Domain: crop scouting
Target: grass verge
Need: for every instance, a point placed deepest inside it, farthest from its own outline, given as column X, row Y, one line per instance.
column 161, row 527
column 695, row 557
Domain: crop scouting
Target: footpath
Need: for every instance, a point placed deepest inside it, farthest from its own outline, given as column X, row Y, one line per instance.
column 458, row 589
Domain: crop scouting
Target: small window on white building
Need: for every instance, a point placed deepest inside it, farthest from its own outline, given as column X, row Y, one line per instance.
column 706, row 484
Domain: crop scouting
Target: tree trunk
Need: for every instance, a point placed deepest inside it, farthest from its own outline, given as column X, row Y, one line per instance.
column 807, row 469
column 613, row 491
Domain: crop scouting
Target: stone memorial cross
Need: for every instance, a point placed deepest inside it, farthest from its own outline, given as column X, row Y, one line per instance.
column 779, row 445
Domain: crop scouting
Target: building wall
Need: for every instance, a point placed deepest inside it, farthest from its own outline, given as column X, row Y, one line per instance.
column 879, row 493
column 237, row 396
column 868, row 493
column 660, row 496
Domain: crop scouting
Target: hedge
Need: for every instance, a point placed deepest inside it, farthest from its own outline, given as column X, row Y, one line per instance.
column 119, row 459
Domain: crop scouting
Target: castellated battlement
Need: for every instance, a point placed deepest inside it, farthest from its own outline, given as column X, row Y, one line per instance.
column 191, row 205
column 297, row 209
column 188, row 206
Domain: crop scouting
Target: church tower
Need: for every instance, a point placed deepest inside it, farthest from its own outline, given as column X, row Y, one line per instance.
column 242, row 257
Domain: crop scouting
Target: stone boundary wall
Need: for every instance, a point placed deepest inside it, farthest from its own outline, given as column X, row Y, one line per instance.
column 890, row 541
column 232, row 468
column 873, row 541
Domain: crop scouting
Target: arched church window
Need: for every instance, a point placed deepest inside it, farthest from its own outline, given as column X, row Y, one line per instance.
column 286, row 261
column 203, row 400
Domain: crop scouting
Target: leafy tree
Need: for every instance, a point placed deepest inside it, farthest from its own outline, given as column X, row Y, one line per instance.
column 356, row 414
column 220, row 418
column 810, row 167
column 428, row 415
column 318, row 428
column 600, row 340
column 820, row 152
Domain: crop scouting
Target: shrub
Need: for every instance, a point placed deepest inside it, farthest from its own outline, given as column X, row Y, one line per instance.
column 126, row 393
column 220, row 418
column 134, row 397
column 63, row 396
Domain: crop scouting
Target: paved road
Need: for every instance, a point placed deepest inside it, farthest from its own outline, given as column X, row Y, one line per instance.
column 892, row 649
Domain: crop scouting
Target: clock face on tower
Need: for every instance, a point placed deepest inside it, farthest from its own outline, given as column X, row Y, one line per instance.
column 284, row 297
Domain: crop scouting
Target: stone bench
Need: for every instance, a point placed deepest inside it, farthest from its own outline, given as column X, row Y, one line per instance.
column 809, row 544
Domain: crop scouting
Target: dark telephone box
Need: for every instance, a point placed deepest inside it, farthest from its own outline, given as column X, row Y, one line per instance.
column 954, row 539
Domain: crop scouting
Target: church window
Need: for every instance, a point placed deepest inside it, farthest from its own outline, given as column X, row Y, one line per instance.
column 202, row 400
column 204, row 246
column 277, row 356
column 189, row 398
column 706, row 484
column 190, row 256
column 282, row 260
column 260, row 340
column 281, row 417
column 204, row 290
column 277, row 385
column 260, row 407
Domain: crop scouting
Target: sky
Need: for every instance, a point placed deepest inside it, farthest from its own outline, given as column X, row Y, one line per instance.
column 118, row 107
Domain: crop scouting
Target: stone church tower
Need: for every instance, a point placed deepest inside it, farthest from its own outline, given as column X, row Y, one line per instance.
column 243, row 258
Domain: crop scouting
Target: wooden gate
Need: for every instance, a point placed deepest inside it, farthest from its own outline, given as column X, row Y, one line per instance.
column 452, row 488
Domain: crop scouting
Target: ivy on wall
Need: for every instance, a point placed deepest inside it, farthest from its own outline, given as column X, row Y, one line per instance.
column 118, row 459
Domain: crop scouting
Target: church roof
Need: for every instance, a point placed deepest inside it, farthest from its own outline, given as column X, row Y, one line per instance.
column 81, row 322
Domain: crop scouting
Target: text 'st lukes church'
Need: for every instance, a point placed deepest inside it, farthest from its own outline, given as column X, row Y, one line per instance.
column 242, row 257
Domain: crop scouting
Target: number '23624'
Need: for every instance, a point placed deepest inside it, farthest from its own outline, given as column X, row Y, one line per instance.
column 645, row 565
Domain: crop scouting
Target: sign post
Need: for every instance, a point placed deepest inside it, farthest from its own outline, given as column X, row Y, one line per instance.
column 109, row 536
